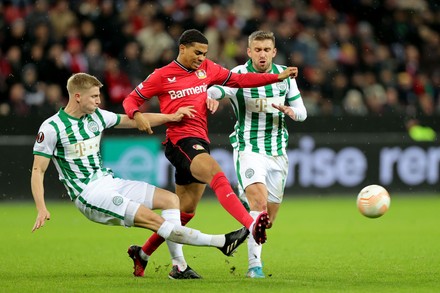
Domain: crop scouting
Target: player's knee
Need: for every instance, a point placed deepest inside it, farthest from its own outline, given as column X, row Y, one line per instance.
column 170, row 201
column 174, row 201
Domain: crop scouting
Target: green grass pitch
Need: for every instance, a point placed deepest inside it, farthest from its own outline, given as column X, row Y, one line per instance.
column 318, row 244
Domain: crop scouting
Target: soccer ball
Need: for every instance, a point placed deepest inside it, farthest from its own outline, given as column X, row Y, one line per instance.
column 373, row 201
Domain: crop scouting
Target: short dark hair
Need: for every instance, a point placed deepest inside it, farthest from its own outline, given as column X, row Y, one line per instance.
column 192, row 36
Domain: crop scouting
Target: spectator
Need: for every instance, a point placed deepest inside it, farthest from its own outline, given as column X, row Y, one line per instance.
column 95, row 58
column 397, row 41
column 61, row 18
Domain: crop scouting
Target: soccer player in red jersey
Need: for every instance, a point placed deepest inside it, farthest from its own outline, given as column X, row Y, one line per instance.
column 181, row 83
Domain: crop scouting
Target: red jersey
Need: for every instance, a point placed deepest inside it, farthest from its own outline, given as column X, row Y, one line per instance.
column 177, row 86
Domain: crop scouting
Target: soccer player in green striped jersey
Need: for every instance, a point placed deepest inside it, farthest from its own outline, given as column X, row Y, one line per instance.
column 260, row 135
column 71, row 138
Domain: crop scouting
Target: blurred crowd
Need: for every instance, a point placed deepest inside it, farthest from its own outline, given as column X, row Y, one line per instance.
column 356, row 57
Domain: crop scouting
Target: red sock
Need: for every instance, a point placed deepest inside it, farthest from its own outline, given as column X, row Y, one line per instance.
column 229, row 200
column 155, row 240
column 185, row 218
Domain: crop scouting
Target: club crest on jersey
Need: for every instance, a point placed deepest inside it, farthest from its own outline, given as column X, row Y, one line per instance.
column 92, row 126
column 198, row 147
column 249, row 173
column 201, row 74
column 282, row 85
column 118, row 200
column 40, row 137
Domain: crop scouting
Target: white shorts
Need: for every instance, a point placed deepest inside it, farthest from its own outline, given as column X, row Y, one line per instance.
column 114, row 201
column 271, row 171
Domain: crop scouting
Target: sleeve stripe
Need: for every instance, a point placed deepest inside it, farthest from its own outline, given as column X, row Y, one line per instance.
column 227, row 79
column 294, row 98
column 42, row 154
column 139, row 93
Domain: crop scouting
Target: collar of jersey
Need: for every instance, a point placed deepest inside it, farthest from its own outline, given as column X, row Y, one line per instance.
column 251, row 68
column 65, row 115
column 182, row 66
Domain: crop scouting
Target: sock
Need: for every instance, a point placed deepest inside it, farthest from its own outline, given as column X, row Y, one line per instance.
column 143, row 255
column 254, row 249
column 229, row 200
column 155, row 240
column 175, row 249
column 194, row 237
column 165, row 229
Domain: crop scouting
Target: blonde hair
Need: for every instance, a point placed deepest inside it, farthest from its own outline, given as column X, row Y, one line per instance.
column 261, row 36
column 80, row 82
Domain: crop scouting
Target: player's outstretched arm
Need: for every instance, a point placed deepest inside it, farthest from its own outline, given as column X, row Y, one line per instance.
column 38, row 170
column 145, row 121
column 291, row 72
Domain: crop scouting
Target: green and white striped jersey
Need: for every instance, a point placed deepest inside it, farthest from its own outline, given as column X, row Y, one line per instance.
column 74, row 146
column 260, row 127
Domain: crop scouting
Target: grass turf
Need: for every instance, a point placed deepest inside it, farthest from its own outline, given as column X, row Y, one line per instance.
column 318, row 244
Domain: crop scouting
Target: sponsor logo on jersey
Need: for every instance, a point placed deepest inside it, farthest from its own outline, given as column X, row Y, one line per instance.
column 198, row 147
column 118, row 200
column 201, row 74
column 171, row 80
column 282, row 85
column 93, row 126
column 40, row 137
column 186, row 92
column 249, row 173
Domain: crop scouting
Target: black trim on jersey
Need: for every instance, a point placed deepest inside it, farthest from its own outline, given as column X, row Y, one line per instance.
column 182, row 66
column 227, row 78
column 140, row 95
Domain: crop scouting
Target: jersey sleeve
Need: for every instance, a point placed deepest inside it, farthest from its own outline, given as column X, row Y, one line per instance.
column 296, row 102
column 147, row 89
column 217, row 92
column 110, row 119
column 293, row 93
column 223, row 76
column 45, row 141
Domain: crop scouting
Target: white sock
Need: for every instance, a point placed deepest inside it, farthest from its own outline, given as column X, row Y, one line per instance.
column 185, row 235
column 175, row 249
column 143, row 255
column 254, row 249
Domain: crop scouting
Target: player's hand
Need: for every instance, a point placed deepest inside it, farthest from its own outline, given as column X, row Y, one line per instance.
column 42, row 216
column 291, row 72
column 285, row 109
column 183, row 111
column 142, row 123
column 212, row 105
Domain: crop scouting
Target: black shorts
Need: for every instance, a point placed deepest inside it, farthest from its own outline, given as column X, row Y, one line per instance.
column 181, row 155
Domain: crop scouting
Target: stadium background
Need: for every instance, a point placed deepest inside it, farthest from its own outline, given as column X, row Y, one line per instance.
column 367, row 68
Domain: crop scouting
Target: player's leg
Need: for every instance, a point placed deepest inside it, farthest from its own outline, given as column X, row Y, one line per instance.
column 274, row 175
column 206, row 169
column 189, row 191
column 189, row 196
column 146, row 218
column 171, row 213
column 191, row 157
column 168, row 224
column 272, row 210
column 256, row 195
